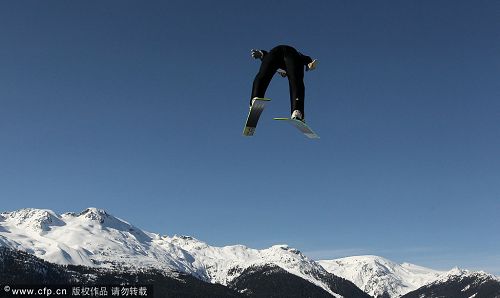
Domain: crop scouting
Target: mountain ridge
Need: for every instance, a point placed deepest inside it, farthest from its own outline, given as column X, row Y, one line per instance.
column 97, row 239
column 379, row 276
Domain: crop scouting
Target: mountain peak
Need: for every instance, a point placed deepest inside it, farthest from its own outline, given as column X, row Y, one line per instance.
column 460, row 283
column 108, row 221
column 287, row 248
column 96, row 238
column 379, row 276
column 94, row 214
column 185, row 238
column 38, row 220
column 459, row 273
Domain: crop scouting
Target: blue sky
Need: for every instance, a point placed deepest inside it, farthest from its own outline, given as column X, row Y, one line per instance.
column 138, row 107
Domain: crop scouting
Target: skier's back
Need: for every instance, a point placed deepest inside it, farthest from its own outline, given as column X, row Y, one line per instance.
column 289, row 62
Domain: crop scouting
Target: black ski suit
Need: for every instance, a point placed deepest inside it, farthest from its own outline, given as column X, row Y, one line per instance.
column 290, row 60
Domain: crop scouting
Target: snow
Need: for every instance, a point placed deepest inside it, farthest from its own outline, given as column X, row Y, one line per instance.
column 91, row 238
column 457, row 273
column 223, row 264
column 376, row 275
column 96, row 238
column 35, row 220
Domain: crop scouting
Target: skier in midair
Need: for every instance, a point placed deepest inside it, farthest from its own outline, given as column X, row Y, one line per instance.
column 288, row 62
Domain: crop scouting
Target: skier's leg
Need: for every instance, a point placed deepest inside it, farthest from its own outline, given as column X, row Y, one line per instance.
column 266, row 72
column 295, row 73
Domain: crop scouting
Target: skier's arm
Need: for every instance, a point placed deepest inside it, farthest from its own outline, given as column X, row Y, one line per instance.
column 312, row 65
column 309, row 62
column 258, row 54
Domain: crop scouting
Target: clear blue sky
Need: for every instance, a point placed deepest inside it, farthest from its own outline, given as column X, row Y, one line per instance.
column 137, row 107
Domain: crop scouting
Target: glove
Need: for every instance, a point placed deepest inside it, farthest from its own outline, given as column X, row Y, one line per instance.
column 257, row 54
column 312, row 65
column 281, row 72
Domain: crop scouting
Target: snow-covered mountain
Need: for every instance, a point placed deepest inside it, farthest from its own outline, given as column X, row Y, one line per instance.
column 96, row 239
column 91, row 238
column 460, row 283
column 21, row 268
column 223, row 264
column 380, row 277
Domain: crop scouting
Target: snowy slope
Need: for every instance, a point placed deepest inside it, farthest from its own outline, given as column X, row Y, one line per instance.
column 223, row 264
column 376, row 275
column 463, row 273
column 460, row 284
column 98, row 239
column 91, row 238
